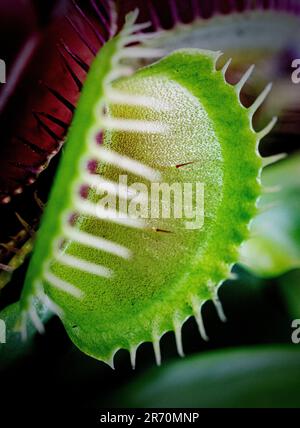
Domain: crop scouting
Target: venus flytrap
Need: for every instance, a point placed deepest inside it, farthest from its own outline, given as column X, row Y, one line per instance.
column 118, row 281
column 251, row 32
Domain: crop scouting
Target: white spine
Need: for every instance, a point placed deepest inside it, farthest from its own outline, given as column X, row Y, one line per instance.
column 96, row 210
column 241, row 83
column 126, row 163
column 178, row 338
column 129, row 125
column 83, row 265
column 197, row 309
column 63, row 285
column 261, row 134
column 259, row 100
column 156, row 348
column 97, row 243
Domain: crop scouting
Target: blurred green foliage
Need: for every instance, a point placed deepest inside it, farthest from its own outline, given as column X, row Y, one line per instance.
column 267, row 376
column 274, row 247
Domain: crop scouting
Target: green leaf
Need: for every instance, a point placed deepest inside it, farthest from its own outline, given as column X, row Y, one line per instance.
column 290, row 289
column 274, row 247
column 266, row 376
column 15, row 347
